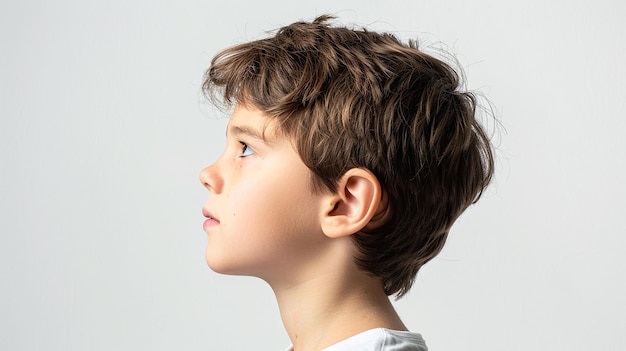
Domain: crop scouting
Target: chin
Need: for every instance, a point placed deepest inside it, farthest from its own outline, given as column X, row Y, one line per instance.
column 220, row 265
column 215, row 263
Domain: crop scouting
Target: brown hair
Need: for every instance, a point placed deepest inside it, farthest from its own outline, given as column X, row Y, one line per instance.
column 355, row 98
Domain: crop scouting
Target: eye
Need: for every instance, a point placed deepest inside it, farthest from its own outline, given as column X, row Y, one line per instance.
column 246, row 150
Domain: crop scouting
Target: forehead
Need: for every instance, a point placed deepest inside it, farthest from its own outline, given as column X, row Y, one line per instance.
column 252, row 122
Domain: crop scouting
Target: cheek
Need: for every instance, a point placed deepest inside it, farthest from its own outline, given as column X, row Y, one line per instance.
column 274, row 207
column 249, row 205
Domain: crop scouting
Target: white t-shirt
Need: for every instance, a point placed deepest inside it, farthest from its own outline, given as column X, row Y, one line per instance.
column 379, row 340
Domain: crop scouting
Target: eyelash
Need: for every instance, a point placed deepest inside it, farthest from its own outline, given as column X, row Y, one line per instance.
column 245, row 150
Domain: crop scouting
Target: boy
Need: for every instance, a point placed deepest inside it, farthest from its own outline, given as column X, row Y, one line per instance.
column 349, row 155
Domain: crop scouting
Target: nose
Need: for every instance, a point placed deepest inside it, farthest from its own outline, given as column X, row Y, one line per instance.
column 211, row 179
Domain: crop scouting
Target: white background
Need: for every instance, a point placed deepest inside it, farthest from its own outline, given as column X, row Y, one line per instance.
column 103, row 132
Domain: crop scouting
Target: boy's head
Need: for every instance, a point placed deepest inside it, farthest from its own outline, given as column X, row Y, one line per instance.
column 358, row 99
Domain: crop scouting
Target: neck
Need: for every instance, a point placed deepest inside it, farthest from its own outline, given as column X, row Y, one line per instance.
column 330, row 307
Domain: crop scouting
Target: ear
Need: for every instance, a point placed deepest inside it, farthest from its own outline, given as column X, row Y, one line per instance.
column 351, row 207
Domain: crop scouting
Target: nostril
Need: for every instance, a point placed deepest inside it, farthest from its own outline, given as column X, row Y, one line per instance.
column 203, row 178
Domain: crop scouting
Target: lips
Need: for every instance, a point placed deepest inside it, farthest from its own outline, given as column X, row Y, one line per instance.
column 207, row 214
column 211, row 220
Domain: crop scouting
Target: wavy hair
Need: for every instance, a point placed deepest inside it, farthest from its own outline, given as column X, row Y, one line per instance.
column 355, row 98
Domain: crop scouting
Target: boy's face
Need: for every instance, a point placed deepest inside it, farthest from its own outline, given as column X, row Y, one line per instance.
column 263, row 217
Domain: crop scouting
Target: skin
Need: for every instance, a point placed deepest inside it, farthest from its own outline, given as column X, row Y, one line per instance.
column 265, row 220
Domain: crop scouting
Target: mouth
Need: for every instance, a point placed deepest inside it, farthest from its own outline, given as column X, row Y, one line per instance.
column 210, row 221
column 207, row 214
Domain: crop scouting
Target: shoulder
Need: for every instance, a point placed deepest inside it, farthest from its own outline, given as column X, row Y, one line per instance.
column 381, row 339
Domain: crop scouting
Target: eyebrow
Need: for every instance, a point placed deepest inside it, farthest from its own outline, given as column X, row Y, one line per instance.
column 243, row 130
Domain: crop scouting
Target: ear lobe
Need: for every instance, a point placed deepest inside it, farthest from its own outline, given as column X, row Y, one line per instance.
column 353, row 205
